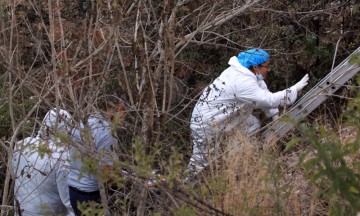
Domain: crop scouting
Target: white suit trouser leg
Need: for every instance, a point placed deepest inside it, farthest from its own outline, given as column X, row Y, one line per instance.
column 201, row 144
column 252, row 124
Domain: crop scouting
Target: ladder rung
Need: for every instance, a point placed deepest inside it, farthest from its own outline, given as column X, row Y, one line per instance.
column 312, row 99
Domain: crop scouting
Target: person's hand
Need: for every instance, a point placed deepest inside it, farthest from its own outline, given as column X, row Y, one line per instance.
column 302, row 83
column 275, row 117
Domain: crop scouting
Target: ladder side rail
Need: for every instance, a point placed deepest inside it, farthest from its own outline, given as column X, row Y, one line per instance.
column 313, row 98
column 343, row 66
column 279, row 128
column 327, row 87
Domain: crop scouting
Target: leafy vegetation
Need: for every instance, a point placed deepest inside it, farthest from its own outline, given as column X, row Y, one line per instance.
column 156, row 57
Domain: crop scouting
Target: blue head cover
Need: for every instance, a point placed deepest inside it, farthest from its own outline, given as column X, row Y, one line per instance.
column 253, row 57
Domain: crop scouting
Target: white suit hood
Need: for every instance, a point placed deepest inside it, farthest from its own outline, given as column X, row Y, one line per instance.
column 55, row 122
column 234, row 63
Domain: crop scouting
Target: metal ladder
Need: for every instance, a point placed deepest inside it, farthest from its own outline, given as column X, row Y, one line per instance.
column 312, row 99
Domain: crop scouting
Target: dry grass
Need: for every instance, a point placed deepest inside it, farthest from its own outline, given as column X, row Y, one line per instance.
column 266, row 180
column 261, row 181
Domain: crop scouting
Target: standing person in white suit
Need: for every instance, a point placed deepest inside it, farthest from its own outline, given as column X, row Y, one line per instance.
column 229, row 100
column 40, row 168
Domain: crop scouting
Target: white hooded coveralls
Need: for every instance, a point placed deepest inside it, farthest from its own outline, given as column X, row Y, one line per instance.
column 228, row 102
column 41, row 169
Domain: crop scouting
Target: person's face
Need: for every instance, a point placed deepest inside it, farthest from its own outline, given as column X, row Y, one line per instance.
column 263, row 69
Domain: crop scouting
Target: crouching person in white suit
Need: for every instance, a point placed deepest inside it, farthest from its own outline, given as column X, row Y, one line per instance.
column 40, row 168
column 228, row 102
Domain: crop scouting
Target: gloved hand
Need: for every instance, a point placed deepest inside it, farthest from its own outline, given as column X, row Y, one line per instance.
column 302, row 83
column 275, row 117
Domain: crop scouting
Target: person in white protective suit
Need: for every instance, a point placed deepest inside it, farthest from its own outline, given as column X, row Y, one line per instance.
column 229, row 100
column 40, row 169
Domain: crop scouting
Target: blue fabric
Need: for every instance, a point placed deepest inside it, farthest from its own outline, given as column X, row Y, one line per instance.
column 259, row 77
column 253, row 57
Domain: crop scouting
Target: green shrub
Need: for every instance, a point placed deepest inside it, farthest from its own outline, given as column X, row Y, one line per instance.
column 333, row 165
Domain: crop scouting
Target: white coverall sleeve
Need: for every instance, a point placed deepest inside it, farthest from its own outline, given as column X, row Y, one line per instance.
column 103, row 140
column 269, row 112
column 63, row 188
column 263, row 98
